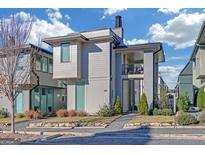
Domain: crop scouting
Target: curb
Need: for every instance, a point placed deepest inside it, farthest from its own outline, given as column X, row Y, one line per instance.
column 181, row 127
column 53, row 133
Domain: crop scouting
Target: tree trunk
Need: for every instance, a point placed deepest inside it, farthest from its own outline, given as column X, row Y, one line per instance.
column 12, row 118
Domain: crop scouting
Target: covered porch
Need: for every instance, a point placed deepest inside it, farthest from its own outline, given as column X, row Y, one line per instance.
column 139, row 73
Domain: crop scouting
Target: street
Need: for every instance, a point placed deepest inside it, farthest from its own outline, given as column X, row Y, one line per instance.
column 118, row 139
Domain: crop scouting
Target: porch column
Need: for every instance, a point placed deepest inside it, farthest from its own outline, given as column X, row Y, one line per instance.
column 26, row 100
column 137, row 92
column 149, row 77
column 125, row 95
column 71, row 97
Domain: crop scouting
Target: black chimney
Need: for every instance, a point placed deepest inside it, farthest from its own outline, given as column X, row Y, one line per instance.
column 118, row 21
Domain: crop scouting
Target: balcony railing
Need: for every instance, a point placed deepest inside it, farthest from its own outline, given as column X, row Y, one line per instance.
column 128, row 69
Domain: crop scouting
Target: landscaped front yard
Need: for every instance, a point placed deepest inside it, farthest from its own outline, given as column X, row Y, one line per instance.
column 152, row 119
column 106, row 120
column 85, row 121
column 8, row 120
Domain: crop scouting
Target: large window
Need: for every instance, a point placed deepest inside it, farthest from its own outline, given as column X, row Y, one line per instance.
column 50, row 69
column 44, row 61
column 65, row 52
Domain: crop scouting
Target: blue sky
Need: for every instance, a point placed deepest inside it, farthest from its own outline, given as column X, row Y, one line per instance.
column 177, row 29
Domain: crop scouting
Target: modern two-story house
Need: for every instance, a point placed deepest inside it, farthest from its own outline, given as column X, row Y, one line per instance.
column 97, row 67
column 47, row 95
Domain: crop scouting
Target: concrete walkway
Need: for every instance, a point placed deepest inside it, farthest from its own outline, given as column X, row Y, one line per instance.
column 120, row 122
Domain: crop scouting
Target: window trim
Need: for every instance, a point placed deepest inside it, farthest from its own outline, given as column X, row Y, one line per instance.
column 42, row 64
column 50, row 60
column 68, row 53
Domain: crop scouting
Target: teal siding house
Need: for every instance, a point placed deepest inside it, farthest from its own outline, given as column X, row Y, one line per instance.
column 185, row 85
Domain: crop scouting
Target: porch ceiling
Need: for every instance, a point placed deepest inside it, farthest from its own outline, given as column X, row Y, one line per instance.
column 135, row 57
column 137, row 51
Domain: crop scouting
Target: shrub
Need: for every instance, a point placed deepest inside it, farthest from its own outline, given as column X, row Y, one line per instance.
column 143, row 106
column 201, row 99
column 164, row 112
column 37, row 114
column 186, row 119
column 202, row 117
column 157, row 111
column 72, row 113
column 118, row 106
column 62, row 113
column 20, row 115
column 81, row 114
column 105, row 111
column 3, row 113
column 29, row 114
column 33, row 114
column 183, row 102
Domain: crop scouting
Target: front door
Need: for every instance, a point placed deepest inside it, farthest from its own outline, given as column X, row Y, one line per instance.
column 80, row 96
column 19, row 103
column 50, row 99
column 43, row 100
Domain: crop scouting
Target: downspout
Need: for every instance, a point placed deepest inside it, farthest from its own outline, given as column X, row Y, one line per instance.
column 30, row 92
column 157, row 78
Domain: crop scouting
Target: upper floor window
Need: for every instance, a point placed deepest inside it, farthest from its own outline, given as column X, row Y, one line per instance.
column 65, row 52
column 44, row 63
column 38, row 63
column 50, row 70
column 21, row 61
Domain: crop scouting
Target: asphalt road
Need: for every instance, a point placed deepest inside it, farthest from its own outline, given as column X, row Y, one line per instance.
column 118, row 139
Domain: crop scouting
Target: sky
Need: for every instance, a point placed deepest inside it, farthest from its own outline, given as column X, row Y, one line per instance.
column 177, row 29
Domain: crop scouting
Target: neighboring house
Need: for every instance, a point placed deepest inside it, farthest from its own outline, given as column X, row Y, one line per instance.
column 198, row 60
column 185, row 85
column 97, row 66
column 162, row 87
column 172, row 99
column 48, row 95
column 192, row 77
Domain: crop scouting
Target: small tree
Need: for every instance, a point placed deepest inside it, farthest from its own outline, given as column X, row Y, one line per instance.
column 164, row 101
column 16, row 67
column 200, row 102
column 143, row 105
column 183, row 102
column 118, row 106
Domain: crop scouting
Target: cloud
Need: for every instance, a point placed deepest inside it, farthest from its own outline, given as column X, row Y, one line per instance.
column 111, row 11
column 46, row 28
column 67, row 17
column 176, row 58
column 170, row 74
column 169, row 11
column 135, row 41
column 179, row 32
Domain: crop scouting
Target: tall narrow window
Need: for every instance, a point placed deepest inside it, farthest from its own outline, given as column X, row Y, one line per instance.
column 44, row 63
column 38, row 62
column 65, row 52
column 50, row 70
column 21, row 61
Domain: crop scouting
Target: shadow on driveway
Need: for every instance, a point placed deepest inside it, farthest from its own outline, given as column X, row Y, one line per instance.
column 122, row 137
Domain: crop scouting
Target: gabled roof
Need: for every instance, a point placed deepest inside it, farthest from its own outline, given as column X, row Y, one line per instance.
column 200, row 41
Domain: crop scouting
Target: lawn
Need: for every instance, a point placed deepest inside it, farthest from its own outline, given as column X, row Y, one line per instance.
column 8, row 120
column 152, row 119
column 106, row 120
